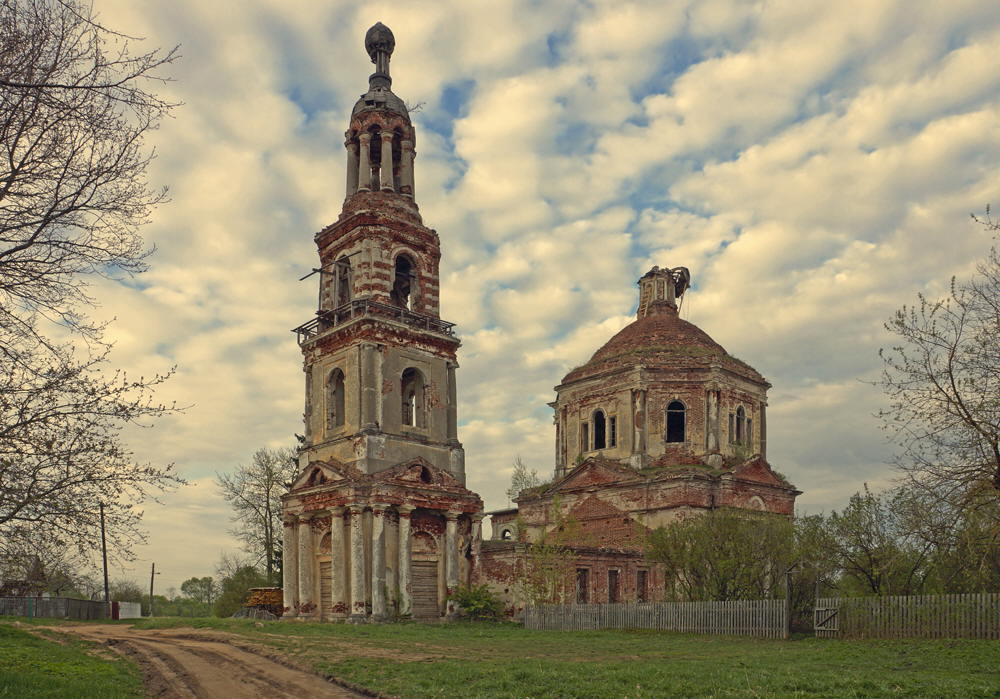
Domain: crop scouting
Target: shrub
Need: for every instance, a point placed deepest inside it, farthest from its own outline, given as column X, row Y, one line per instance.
column 477, row 602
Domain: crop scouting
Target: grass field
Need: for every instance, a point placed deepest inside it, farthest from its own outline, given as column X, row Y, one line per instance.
column 40, row 664
column 487, row 660
column 473, row 660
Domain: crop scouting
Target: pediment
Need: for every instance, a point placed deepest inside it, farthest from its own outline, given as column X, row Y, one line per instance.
column 756, row 469
column 323, row 472
column 592, row 472
column 593, row 507
column 417, row 472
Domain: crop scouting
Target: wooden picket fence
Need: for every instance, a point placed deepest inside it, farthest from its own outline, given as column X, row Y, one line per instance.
column 762, row 618
column 974, row 615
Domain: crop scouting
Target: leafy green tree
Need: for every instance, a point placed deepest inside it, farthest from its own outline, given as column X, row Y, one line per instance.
column 235, row 589
column 200, row 589
column 724, row 555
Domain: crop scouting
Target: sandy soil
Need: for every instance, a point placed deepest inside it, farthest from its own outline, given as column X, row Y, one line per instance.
column 193, row 663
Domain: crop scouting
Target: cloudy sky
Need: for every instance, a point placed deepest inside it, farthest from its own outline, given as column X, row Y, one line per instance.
column 813, row 164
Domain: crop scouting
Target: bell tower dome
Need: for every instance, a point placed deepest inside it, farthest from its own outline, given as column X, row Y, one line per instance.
column 380, row 363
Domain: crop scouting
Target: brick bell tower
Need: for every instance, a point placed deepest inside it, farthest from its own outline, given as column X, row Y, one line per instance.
column 379, row 362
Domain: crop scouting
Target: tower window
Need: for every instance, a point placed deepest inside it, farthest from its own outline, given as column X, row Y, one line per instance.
column 343, row 281
column 412, row 385
column 335, row 400
column 676, row 422
column 741, row 422
column 402, row 285
column 584, row 436
column 600, row 431
column 612, row 431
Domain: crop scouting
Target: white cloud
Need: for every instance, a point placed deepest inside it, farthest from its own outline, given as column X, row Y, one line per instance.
column 814, row 167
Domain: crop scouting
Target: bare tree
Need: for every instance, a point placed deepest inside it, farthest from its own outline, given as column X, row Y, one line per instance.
column 942, row 379
column 74, row 110
column 521, row 478
column 254, row 491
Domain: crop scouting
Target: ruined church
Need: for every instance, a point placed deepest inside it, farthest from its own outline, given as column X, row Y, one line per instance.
column 378, row 524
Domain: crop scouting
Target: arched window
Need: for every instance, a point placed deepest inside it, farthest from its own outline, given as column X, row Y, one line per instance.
column 343, row 281
column 741, row 425
column 676, row 421
column 506, row 534
column 335, row 399
column 600, row 430
column 402, row 285
column 412, row 385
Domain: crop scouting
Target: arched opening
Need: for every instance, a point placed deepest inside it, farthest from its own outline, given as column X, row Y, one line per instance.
column 402, row 285
column 335, row 400
column 741, row 425
column 600, row 430
column 676, row 422
column 412, row 391
column 343, row 281
column 425, row 475
column 374, row 158
column 506, row 534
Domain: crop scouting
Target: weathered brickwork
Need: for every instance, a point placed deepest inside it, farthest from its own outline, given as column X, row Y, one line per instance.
column 661, row 423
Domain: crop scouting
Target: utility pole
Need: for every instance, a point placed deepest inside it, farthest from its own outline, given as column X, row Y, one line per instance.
column 104, row 555
column 152, row 574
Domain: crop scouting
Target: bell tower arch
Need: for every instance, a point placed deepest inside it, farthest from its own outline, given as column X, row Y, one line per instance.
column 380, row 363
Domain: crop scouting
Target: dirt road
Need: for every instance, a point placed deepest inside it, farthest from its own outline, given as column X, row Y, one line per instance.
column 192, row 663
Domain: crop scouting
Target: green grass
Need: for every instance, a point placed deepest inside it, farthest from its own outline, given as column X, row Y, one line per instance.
column 35, row 667
column 505, row 660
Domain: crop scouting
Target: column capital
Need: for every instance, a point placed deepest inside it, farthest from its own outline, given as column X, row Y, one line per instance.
column 477, row 516
column 336, row 511
column 452, row 515
column 364, row 137
column 386, row 135
column 289, row 520
column 379, row 508
column 356, row 508
column 405, row 510
column 306, row 516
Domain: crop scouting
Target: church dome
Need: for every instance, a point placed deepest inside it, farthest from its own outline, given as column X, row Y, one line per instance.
column 660, row 338
column 380, row 43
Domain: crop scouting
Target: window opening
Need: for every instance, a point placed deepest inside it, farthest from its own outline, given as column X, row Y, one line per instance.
column 402, row 285
column 749, row 435
column 732, row 428
column 335, row 399
column 612, row 431
column 613, row 595
column 641, row 594
column 676, row 422
column 343, row 281
column 412, row 384
column 599, row 430
column 584, row 436
column 506, row 535
column 582, row 586
column 740, row 425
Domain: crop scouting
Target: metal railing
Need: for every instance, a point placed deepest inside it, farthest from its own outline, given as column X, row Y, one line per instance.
column 359, row 308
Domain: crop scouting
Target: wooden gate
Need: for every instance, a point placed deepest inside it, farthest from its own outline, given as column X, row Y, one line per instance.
column 325, row 589
column 424, row 590
column 826, row 621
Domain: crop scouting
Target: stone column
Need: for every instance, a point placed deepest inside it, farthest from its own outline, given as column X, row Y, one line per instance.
column 452, row 404
column 477, row 541
column 370, row 387
column 406, row 167
column 378, row 562
column 763, row 430
column 306, row 566
column 386, row 169
column 338, row 565
column 290, row 567
column 365, row 167
column 352, row 167
column 391, row 563
column 451, row 557
column 359, row 613
column 405, row 601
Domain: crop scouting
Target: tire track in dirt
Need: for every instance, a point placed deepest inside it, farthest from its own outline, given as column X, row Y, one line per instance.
column 188, row 665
